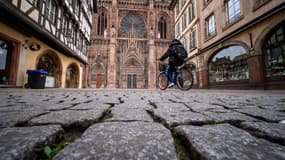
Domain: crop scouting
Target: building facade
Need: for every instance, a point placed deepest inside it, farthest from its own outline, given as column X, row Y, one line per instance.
column 53, row 35
column 239, row 43
column 127, row 38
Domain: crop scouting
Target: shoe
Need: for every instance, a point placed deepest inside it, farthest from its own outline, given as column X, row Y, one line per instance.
column 170, row 85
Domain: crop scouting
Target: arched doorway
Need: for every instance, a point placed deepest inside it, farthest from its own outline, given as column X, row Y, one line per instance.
column 274, row 53
column 72, row 76
column 229, row 66
column 51, row 63
column 133, row 74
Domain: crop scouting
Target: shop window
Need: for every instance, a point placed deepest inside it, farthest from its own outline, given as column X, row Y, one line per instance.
column 274, row 52
column 229, row 64
column 3, row 54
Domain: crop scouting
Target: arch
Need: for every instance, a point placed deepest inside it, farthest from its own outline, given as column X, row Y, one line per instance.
column 261, row 38
column 228, row 64
column 133, row 62
column 273, row 51
column 72, row 76
column 50, row 62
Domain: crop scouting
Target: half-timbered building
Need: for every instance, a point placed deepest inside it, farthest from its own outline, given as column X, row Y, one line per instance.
column 52, row 35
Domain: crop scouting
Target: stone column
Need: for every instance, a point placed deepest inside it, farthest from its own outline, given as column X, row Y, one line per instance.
column 203, row 75
column 256, row 70
column 112, row 65
column 151, row 65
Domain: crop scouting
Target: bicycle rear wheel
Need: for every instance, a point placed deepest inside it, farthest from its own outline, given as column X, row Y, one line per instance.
column 184, row 79
column 162, row 81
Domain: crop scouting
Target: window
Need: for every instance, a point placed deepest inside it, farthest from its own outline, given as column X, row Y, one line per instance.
column 177, row 9
column 233, row 10
column 184, row 21
column 274, row 52
column 229, row 64
column 192, row 39
column 64, row 25
column 102, row 22
column 191, row 14
column 259, row 2
column 50, row 11
column 132, row 25
column 185, row 43
column 206, row 2
column 162, row 27
column 210, row 24
column 76, row 7
column 35, row 3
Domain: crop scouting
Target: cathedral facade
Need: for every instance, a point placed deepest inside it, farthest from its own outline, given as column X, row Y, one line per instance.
column 128, row 36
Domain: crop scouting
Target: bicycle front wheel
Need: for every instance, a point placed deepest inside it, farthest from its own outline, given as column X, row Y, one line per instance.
column 184, row 79
column 162, row 81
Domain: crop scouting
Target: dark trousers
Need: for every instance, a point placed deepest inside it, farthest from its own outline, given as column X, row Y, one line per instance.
column 171, row 73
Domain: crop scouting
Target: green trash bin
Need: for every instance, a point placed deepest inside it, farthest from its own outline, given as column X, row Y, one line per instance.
column 36, row 79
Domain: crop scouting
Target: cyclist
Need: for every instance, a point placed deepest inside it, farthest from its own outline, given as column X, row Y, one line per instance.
column 173, row 60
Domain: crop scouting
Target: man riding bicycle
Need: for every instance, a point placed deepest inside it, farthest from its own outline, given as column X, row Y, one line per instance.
column 174, row 52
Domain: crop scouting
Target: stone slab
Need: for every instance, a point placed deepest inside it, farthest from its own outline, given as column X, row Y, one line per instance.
column 174, row 114
column 266, row 114
column 223, row 141
column 121, row 141
column 66, row 118
column 20, row 143
column 272, row 131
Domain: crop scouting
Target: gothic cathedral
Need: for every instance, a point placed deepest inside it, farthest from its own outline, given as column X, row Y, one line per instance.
column 128, row 37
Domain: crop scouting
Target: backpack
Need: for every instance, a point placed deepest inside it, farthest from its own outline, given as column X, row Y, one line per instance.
column 180, row 52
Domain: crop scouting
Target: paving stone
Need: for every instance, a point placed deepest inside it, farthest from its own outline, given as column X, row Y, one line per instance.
column 223, row 141
column 200, row 107
column 272, row 131
column 20, row 143
column 222, row 115
column 129, row 114
column 91, row 105
column 266, row 114
column 67, row 118
column 121, row 141
column 12, row 118
column 173, row 114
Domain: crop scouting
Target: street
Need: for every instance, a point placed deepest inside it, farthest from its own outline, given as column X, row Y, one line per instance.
column 142, row 124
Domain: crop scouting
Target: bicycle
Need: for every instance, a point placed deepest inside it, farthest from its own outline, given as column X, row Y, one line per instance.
column 183, row 77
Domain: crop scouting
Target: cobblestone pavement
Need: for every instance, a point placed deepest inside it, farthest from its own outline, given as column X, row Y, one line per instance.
column 142, row 124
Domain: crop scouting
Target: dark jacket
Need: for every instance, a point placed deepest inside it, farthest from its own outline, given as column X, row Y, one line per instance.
column 173, row 60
